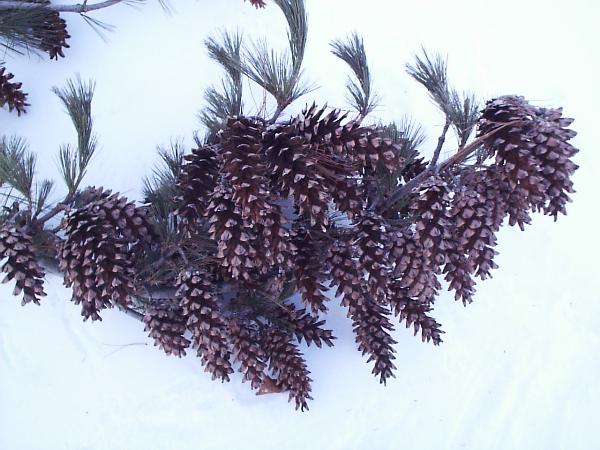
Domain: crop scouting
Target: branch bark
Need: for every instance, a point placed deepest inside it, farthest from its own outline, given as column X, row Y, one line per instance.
column 77, row 8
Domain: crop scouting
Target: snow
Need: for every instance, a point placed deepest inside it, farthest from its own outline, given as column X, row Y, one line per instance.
column 518, row 368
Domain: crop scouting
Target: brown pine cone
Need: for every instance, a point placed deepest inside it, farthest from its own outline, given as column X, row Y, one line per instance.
column 198, row 299
column 371, row 241
column 305, row 326
column 308, row 268
column 96, row 256
column 11, row 93
column 53, row 35
column 533, row 152
column 288, row 366
column 246, row 342
column 361, row 145
column 370, row 322
column 196, row 182
column 294, row 173
column 235, row 237
column 167, row 324
column 21, row 265
column 243, row 165
column 412, row 268
column 414, row 313
column 127, row 219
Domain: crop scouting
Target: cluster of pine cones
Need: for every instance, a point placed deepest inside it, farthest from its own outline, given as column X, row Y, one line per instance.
column 289, row 210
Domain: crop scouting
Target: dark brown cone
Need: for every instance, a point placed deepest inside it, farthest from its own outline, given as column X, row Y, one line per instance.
column 308, row 269
column 288, row 366
column 414, row 313
column 474, row 231
column 371, row 241
column 432, row 225
column 459, row 277
column 360, row 145
column 97, row 255
column 372, row 328
column 305, row 326
column 277, row 250
column 21, row 265
column 513, row 146
column 234, row 236
column 347, row 195
column 127, row 219
column 166, row 325
column 11, row 93
column 534, row 153
column 53, row 35
column 198, row 299
column 294, row 173
column 197, row 180
column 554, row 152
column 245, row 340
column 243, row 166
column 370, row 322
column 412, row 268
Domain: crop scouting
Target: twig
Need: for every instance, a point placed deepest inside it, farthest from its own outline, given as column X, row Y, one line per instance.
column 440, row 144
column 77, row 8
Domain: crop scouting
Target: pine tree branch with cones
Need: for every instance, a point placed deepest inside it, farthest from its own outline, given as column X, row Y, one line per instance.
column 237, row 241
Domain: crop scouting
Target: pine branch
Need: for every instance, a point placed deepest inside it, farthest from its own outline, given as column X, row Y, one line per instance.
column 360, row 94
column 461, row 110
column 77, row 98
column 76, row 8
column 226, row 102
column 280, row 74
column 17, row 167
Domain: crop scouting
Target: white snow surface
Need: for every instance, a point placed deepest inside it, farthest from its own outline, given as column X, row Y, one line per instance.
column 518, row 369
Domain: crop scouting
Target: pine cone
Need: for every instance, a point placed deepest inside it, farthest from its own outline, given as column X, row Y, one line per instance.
column 243, row 165
column 458, row 276
column 288, row 366
column 414, row 313
column 127, row 219
column 198, row 299
column 554, row 152
column 347, row 195
column 308, row 269
column 474, row 231
column 166, row 324
column 293, row 172
column 97, row 256
column 371, row 242
column 277, row 247
column 432, row 227
column 360, row 145
column 21, row 265
column 11, row 93
column 305, row 326
column 234, row 236
column 533, row 153
column 52, row 35
column 412, row 268
column 370, row 322
column 197, row 180
column 246, row 342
